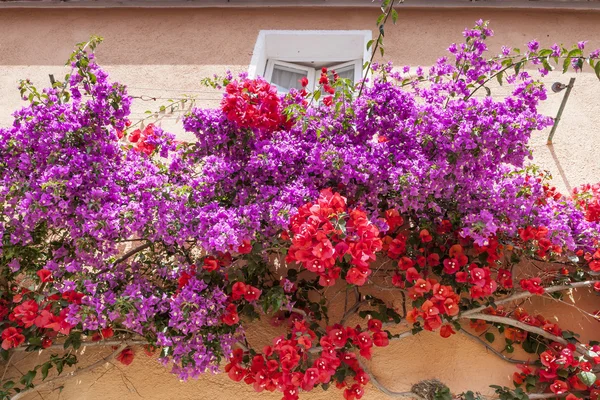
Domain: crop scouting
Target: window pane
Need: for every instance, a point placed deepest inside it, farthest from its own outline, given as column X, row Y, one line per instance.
column 285, row 78
column 346, row 72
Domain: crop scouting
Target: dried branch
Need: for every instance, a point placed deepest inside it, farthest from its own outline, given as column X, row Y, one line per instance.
column 492, row 349
column 385, row 390
column 529, row 328
column 132, row 252
column 71, row 374
column 525, row 295
column 102, row 343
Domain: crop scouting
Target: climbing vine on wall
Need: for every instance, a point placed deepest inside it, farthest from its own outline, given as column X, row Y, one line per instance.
column 416, row 183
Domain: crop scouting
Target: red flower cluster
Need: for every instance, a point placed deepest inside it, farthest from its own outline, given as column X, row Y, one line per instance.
column 29, row 313
column 254, row 104
column 538, row 321
column 440, row 300
column 248, row 292
column 324, row 81
column 231, row 316
column 140, row 138
column 532, row 285
column 480, row 278
column 561, row 369
column 323, row 233
column 540, row 237
column 286, row 366
column 594, row 260
column 211, row 263
column 12, row 337
column 588, row 198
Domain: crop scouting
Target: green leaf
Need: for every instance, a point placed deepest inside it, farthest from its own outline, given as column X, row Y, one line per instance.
column 490, row 337
column 563, row 373
column 588, row 378
column 547, row 65
column 370, row 43
column 572, row 54
column 469, row 395
column 544, row 52
column 394, row 16
column 380, row 20
column 45, row 368
column 27, row 379
column 597, row 69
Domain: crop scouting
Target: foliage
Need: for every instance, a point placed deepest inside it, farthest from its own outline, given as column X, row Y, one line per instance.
column 415, row 183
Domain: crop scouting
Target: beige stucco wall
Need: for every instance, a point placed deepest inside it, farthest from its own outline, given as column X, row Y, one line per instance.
column 164, row 53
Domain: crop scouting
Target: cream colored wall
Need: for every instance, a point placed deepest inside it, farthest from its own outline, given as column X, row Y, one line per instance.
column 165, row 53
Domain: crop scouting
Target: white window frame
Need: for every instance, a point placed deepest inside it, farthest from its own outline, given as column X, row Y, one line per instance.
column 287, row 47
column 310, row 72
column 313, row 74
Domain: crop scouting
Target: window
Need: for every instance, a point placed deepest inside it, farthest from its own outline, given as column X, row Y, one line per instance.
column 285, row 57
column 286, row 76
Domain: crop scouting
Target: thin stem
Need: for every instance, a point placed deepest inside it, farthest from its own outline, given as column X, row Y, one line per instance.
column 71, row 374
column 525, row 295
column 376, row 45
column 529, row 328
column 132, row 252
column 101, row 343
column 490, row 348
column 375, row 382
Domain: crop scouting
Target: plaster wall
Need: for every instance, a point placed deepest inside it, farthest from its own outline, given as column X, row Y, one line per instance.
column 164, row 53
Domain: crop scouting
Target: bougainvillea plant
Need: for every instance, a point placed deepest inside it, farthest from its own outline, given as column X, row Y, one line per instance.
column 416, row 182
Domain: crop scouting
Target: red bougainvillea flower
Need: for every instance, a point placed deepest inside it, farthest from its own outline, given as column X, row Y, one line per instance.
column 210, row 264
column 12, row 337
column 245, row 248
column 559, row 387
column 532, row 285
column 140, row 138
column 44, row 275
column 107, row 333
column 304, row 82
column 252, row 293
column 446, row 331
column 519, row 377
column 126, row 356
column 231, row 316
column 597, row 286
column 478, row 325
column 238, row 290
column 248, row 292
column 355, row 392
column 514, row 334
column 25, row 313
column 393, row 219
column 381, row 339
column 357, row 277
column 254, row 104
column 46, row 342
column 425, row 236
column 59, row 322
